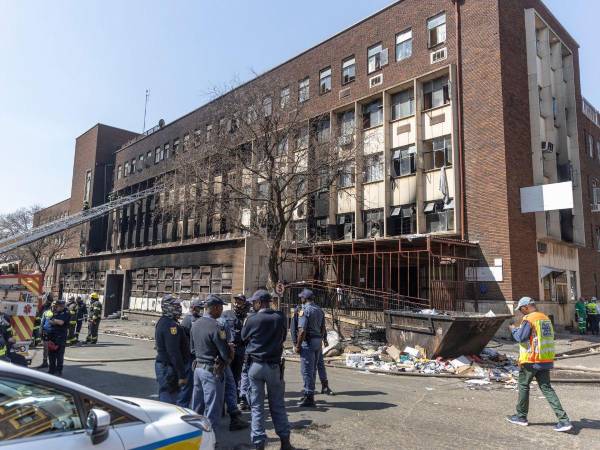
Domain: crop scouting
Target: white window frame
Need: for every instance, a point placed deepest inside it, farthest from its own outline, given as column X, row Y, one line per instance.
column 325, row 80
column 284, row 97
column 436, row 27
column 304, row 90
column 411, row 104
column 404, row 41
column 119, row 171
column 349, row 68
column 373, row 167
column 376, row 57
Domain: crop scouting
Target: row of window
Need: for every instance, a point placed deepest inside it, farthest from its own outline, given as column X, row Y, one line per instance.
column 377, row 57
column 157, row 155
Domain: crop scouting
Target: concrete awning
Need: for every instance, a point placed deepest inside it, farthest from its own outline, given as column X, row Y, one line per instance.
column 546, row 270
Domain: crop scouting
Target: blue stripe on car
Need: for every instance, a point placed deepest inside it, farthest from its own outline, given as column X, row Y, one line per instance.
column 169, row 441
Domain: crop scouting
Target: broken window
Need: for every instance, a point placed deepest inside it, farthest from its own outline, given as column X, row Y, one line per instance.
column 439, row 216
column 403, row 220
column 321, row 228
column 345, row 223
column 436, row 28
column 373, row 221
column 437, row 153
column 436, row 93
column 403, row 160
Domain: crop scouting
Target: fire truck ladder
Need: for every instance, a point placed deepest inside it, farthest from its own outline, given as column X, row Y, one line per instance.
column 65, row 223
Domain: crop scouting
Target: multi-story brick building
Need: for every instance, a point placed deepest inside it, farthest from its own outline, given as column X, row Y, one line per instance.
column 457, row 104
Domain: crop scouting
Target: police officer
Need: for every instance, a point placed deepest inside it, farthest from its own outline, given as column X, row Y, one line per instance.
column 82, row 313
column 6, row 337
column 196, row 310
column 94, row 319
column 264, row 334
column 235, row 318
column 231, row 393
column 57, row 328
column 311, row 330
column 320, row 365
column 172, row 354
column 72, row 309
column 244, row 382
column 39, row 318
column 213, row 354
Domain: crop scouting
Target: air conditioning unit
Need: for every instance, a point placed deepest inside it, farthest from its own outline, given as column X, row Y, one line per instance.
column 376, row 80
column 345, row 139
column 547, row 147
column 439, row 55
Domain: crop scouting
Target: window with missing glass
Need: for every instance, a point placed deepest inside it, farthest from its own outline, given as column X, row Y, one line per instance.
column 403, row 220
column 404, row 45
column 439, row 216
column 284, row 97
column 348, row 70
column 436, row 93
column 436, row 29
column 373, row 223
column 322, row 228
column 403, row 104
column 373, row 114
column 403, row 160
column 304, row 90
column 346, row 178
column 437, row 153
column 373, row 168
column 325, row 80
column 345, row 223
column 140, row 165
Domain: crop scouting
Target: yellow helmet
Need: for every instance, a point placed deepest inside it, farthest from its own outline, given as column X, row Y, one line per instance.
column 94, row 296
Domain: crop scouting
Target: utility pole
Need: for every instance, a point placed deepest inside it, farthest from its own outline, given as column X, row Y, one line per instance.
column 146, row 109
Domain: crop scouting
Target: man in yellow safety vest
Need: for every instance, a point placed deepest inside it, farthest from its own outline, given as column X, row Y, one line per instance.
column 535, row 336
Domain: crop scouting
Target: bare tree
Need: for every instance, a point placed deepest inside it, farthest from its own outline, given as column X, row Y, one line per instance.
column 37, row 255
column 259, row 169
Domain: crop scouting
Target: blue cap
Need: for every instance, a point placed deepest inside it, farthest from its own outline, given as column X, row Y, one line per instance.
column 261, row 296
column 213, row 300
column 525, row 301
column 306, row 293
column 197, row 303
column 240, row 296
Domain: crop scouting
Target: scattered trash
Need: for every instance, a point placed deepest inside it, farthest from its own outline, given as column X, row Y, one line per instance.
column 432, row 312
column 411, row 352
column 478, row 382
column 490, row 313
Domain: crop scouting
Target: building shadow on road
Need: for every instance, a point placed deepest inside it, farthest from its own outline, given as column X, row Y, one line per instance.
column 111, row 383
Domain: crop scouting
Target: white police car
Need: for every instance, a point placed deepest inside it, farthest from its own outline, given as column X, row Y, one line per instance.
column 42, row 412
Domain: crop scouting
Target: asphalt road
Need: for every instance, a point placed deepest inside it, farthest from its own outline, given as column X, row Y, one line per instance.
column 372, row 411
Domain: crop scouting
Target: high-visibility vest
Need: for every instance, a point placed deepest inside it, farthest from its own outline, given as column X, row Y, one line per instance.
column 592, row 308
column 540, row 347
column 46, row 320
column 3, row 349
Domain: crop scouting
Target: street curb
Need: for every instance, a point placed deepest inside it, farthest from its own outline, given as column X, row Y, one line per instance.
column 146, row 358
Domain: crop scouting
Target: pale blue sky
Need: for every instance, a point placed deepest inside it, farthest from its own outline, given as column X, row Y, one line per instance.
column 66, row 65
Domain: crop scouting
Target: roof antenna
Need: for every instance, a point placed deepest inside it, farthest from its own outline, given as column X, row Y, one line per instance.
column 146, row 108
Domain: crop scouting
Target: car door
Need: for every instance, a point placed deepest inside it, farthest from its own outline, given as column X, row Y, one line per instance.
column 37, row 415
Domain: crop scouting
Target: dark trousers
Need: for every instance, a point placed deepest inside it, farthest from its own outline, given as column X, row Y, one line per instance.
column 236, row 367
column 56, row 359
column 594, row 324
column 79, row 325
column 526, row 375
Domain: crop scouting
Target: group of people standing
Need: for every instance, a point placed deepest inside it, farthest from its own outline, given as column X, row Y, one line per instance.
column 58, row 324
column 232, row 359
column 587, row 314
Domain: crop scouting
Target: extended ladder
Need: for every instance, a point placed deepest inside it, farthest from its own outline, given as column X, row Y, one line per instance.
column 50, row 228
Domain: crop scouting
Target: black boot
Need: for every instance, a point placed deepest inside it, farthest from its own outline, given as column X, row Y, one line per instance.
column 244, row 406
column 286, row 444
column 308, row 401
column 236, row 423
column 325, row 388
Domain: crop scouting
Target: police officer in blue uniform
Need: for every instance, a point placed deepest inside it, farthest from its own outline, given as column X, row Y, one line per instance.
column 231, row 393
column 244, row 382
column 235, row 318
column 264, row 334
column 196, row 310
column 321, row 370
column 57, row 327
column 311, row 330
column 172, row 363
column 213, row 354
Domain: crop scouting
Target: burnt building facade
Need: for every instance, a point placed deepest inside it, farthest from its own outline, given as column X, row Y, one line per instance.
column 457, row 105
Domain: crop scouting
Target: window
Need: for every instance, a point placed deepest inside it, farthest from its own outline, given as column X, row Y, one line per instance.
column 267, row 106
column 439, row 216
column 596, row 195
column 299, row 231
column 304, row 90
column 209, row 128
column 597, row 238
column 555, row 107
column 436, row 93
column 325, row 80
column 166, row 152
column 373, row 167
column 284, row 97
column 438, row 153
column 157, row 152
column 133, row 161
column 116, row 417
column 403, row 220
column 348, row 70
column 376, row 58
column 322, row 229
column 176, row 146
column 31, row 409
column 373, row 221
column 373, row 114
column 119, row 172
column 345, row 224
column 126, row 171
column 404, row 45
column 263, row 190
column 403, row 104
column 140, row 165
column 88, row 186
column 436, row 28
column 598, row 148
column 347, row 175
column 222, row 125
column 322, row 130
column 590, row 144
column 149, row 157
column 347, row 123
column 403, row 160
column 302, row 138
